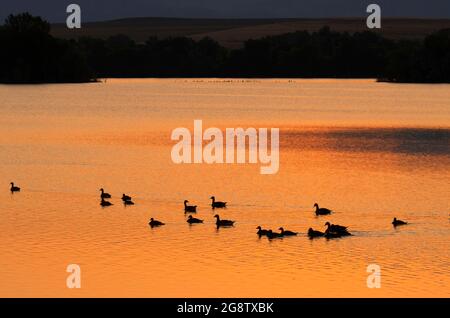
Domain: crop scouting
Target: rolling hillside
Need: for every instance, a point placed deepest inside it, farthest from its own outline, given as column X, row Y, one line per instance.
column 232, row 33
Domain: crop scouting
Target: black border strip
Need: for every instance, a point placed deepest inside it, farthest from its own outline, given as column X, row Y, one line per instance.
column 62, row 307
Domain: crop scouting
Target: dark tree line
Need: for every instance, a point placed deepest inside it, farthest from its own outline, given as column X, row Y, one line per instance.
column 30, row 54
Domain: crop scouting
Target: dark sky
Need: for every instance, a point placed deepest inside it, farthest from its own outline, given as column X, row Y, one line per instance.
column 94, row 10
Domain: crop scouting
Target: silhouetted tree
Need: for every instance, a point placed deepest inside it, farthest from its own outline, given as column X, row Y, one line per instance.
column 26, row 23
column 30, row 54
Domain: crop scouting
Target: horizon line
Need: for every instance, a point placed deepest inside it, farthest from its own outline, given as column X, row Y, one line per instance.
column 255, row 19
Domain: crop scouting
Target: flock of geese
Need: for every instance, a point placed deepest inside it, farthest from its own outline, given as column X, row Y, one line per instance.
column 103, row 195
column 331, row 231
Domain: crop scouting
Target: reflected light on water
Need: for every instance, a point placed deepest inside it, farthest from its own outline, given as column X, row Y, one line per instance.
column 368, row 151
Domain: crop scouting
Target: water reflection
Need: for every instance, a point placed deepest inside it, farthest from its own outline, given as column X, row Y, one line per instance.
column 352, row 146
column 408, row 141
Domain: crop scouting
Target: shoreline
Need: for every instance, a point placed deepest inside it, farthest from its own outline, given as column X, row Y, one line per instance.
column 104, row 80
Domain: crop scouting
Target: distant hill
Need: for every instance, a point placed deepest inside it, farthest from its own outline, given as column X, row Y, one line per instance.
column 231, row 33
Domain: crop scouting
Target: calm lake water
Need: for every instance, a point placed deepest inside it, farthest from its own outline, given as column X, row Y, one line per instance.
column 369, row 151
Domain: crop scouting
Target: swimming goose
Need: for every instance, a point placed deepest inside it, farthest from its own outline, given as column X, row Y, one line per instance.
column 286, row 233
column 261, row 232
column 220, row 222
column 321, row 211
column 104, row 195
column 217, row 204
column 272, row 235
column 333, row 229
column 312, row 233
column 330, row 235
column 128, row 202
column 154, row 223
column 398, row 222
column 189, row 208
column 125, row 197
column 14, row 188
column 192, row 220
column 105, row 203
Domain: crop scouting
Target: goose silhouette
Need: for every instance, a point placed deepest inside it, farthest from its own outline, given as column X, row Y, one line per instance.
column 105, row 203
column 334, row 230
column 313, row 233
column 126, row 197
column 192, row 220
column 261, row 232
column 104, row 195
column 217, row 204
column 396, row 222
column 335, row 227
column 220, row 222
column 272, row 235
column 331, row 235
column 155, row 223
column 321, row 211
column 286, row 233
column 14, row 188
column 189, row 208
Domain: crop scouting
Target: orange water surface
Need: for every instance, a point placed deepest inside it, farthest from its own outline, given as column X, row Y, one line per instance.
column 369, row 151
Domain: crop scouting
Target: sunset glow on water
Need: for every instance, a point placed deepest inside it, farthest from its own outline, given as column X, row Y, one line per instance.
column 369, row 151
